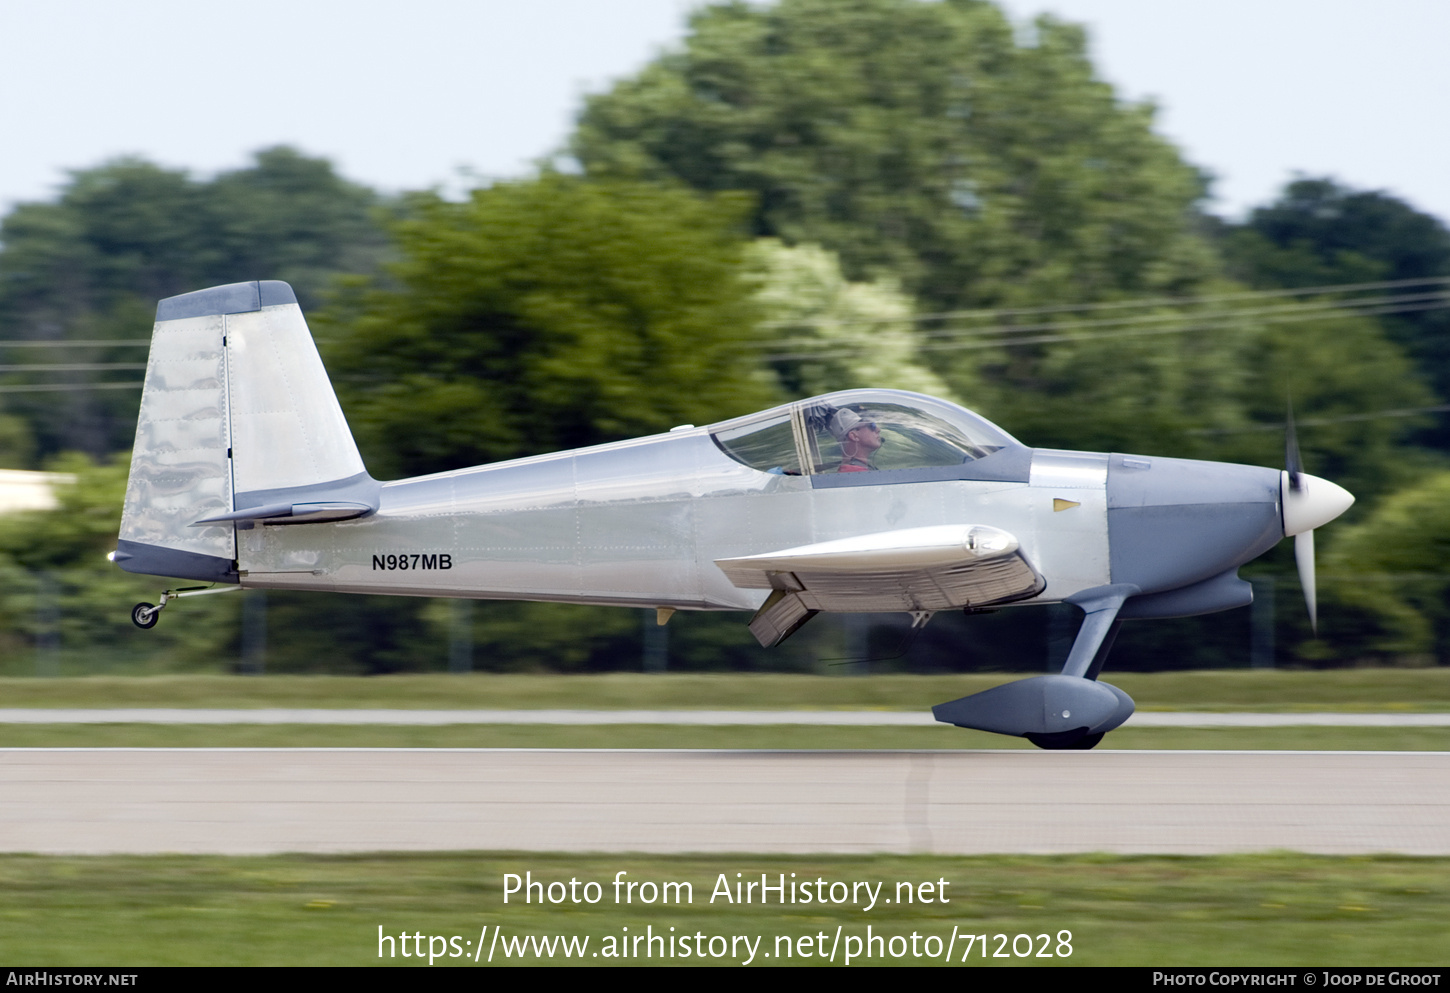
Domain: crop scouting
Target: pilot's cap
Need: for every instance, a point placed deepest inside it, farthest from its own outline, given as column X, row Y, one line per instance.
column 843, row 421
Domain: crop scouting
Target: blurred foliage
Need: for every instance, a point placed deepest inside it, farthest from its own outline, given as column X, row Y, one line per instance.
column 928, row 147
column 1335, row 368
column 841, row 335
column 341, row 634
column 1392, row 566
column 920, row 141
column 65, row 609
column 92, row 264
column 543, row 315
column 17, row 442
column 1221, row 393
column 1383, row 592
column 808, row 195
column 1321, row 233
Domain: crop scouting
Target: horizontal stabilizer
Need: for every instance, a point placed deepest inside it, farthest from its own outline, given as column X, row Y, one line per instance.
column 291, row 513
column 1043, row 705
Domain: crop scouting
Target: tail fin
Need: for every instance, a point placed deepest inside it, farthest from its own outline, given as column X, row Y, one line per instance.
column 238, row 423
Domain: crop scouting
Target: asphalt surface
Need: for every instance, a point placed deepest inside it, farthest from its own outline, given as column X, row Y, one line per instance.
column 342, row 800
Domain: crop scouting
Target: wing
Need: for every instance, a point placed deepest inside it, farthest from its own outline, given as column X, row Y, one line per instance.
column 916, row 569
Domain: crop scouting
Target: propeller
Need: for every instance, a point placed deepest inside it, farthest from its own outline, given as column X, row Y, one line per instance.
column 1292, row 465
column 1304, row 559
column 1304, row 541
column 1308, row 502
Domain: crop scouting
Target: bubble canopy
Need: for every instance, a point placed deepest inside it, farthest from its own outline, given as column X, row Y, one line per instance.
column 837, row 434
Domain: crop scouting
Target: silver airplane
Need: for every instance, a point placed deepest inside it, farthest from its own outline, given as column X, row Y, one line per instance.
column 245, row 475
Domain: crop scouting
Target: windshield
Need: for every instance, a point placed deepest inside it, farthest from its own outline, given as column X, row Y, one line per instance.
column 860, row 430
column 768, row 445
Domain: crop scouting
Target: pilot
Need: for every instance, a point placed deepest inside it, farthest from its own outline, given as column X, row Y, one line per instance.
column 859, row 440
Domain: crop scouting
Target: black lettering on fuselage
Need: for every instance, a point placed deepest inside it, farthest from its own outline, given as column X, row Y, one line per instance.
column 408, row 561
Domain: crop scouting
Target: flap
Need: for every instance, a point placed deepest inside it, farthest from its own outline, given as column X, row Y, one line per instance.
column 915, row 569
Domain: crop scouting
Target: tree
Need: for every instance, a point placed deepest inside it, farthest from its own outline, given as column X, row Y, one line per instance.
column 1391, row 567
column 916, row 140
column 922, row 143
column 1385, row 591
column 841, row 334
column 547, row 314
column 56, row 584
column 92, row 264
column 1187, row 384
column 1320, row 233
column 542, row 315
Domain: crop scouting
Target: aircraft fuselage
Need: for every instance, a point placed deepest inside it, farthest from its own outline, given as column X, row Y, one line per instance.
column 642, row 522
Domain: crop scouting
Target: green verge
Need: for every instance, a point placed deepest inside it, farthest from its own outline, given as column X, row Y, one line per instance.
column 685, row 736
column 1406, row 690
column 1270, row 909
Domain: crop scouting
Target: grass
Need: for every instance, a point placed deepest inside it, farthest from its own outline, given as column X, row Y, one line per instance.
column 679, row 736
column 1406, row 690
column 1271, row 909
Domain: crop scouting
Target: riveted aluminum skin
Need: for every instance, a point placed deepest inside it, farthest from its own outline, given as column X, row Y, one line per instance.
column 1070, row 523
column 179, row 468
column 617, row 524
column 642, row 522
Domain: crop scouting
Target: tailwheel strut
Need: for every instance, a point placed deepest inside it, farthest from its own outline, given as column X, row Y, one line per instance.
column 145, row 615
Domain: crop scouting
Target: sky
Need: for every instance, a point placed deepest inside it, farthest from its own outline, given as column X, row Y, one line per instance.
column 432, row 92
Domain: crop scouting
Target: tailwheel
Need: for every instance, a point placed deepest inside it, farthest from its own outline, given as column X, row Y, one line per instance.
column 1077, row 739
column 145, row 615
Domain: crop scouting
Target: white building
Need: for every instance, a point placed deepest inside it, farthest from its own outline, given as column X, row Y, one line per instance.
column 24, row 489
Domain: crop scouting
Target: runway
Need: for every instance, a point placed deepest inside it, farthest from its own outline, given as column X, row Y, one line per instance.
column 236, row 801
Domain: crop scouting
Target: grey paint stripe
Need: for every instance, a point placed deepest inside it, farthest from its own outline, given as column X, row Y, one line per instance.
column 233, row 298
column 846, row 718
column 158, row 560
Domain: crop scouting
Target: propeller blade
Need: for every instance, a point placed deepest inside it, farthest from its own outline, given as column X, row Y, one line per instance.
column 1304, row 558
column 1293, row 465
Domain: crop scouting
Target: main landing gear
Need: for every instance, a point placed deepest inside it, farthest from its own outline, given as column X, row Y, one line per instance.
column 145, row 615
column 1070, row 711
